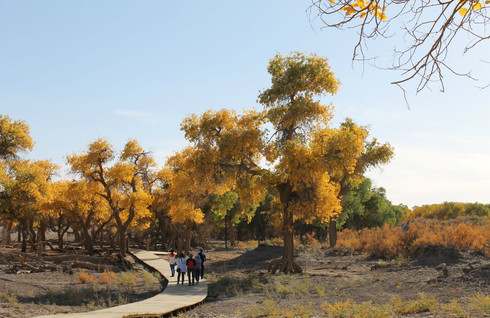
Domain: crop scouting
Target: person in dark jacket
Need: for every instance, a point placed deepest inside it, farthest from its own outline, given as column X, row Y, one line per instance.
column 202, row 256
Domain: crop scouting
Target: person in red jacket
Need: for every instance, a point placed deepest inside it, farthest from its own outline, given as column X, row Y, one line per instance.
column 191, row 264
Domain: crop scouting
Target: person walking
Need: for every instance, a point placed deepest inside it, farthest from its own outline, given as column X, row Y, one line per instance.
column 172, row 261
column 203, row 259
column 197, row 269
column 191, row 265
column 181, row 268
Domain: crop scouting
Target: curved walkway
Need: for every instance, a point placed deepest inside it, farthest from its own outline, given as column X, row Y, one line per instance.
column 172, row 298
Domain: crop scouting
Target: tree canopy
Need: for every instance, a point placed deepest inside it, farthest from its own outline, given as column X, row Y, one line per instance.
column 14, row 138
column 283, row 167
column 288, row 147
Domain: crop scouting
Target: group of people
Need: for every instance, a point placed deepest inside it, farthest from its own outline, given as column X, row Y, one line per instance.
column 192, row 265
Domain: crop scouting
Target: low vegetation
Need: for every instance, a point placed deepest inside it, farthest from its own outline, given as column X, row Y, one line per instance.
column 391, row 241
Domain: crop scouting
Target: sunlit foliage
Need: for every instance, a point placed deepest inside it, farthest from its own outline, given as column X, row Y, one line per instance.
column 14, row 137
column 123, row 183
column 450, row 210
column 390, row 242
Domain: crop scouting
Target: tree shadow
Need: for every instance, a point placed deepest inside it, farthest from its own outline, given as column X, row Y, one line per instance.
column 253, row 260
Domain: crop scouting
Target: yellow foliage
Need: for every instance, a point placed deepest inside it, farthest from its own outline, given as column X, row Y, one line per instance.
column 182, row 211
column 125, row 186
column 360, row 7
column 14, row 137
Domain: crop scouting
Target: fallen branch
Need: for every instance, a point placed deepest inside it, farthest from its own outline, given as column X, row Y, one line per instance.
column 96, row 267
column 107, row 260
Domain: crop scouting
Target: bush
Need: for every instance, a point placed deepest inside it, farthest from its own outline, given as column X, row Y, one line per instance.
column 423, row 303
column 107, row 278
column 389, row 242
column 85, row 278
column 480, row 303
column 126, row 279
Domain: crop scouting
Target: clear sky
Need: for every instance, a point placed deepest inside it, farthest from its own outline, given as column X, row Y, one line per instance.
column 79, row 70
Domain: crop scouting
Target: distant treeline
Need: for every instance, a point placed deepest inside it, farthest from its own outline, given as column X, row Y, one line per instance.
column 450, row 210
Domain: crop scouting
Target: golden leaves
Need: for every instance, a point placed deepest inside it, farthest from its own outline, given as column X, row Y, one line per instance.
column 362, row 8
column 183, row 211
column 475, row 5
column 124, row 186
column 14, row 137
column 349, row 10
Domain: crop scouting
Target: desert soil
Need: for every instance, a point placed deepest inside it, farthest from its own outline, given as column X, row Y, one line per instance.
column 339, row 276
column 25, row 294
column 239, row 284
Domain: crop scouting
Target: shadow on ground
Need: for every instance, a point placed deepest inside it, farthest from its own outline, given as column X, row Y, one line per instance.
column 256, row 259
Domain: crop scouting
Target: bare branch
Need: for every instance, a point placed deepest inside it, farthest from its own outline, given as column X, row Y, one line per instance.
column 428, row 28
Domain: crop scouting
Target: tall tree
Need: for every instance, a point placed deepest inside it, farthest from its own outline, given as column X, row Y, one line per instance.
column 300, row 122
column 291, row 159
column 366, row 206
column 123, row 183
column 25, row 190
column 351, row 154
column 14, row 139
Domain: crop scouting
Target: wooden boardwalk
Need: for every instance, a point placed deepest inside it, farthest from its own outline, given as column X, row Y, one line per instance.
column 172, row 298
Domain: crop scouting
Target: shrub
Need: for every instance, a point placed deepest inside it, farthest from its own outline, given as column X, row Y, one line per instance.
column 480, row 303
column 348, row 309
column 9, row 297
column 148, row 279
column 390, row 242
column 269, row 308
column 107, row 277
column 126, row 279
column 85, row 278
column 249, row 245
column 423, row 303
column 233, row 286
column 454, row 307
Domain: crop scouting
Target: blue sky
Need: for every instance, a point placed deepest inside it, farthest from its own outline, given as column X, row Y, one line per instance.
column 79, row 70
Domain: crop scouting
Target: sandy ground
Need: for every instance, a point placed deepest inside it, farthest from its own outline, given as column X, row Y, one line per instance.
column 333, row 276
column 26, row 294
column 240, row 286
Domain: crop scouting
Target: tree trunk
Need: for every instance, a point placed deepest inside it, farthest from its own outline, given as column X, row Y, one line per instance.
column 231, row 231
column 77, row 235
column 287, row 263
column 60, row 233
column 87, row 240
column 122, row 242
column 32, row 234
column 24, row 237
column 7, row 229
column 226, row 230
column 188, row 238
column 41, row 232
column 180, row 243
column 332, row 232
